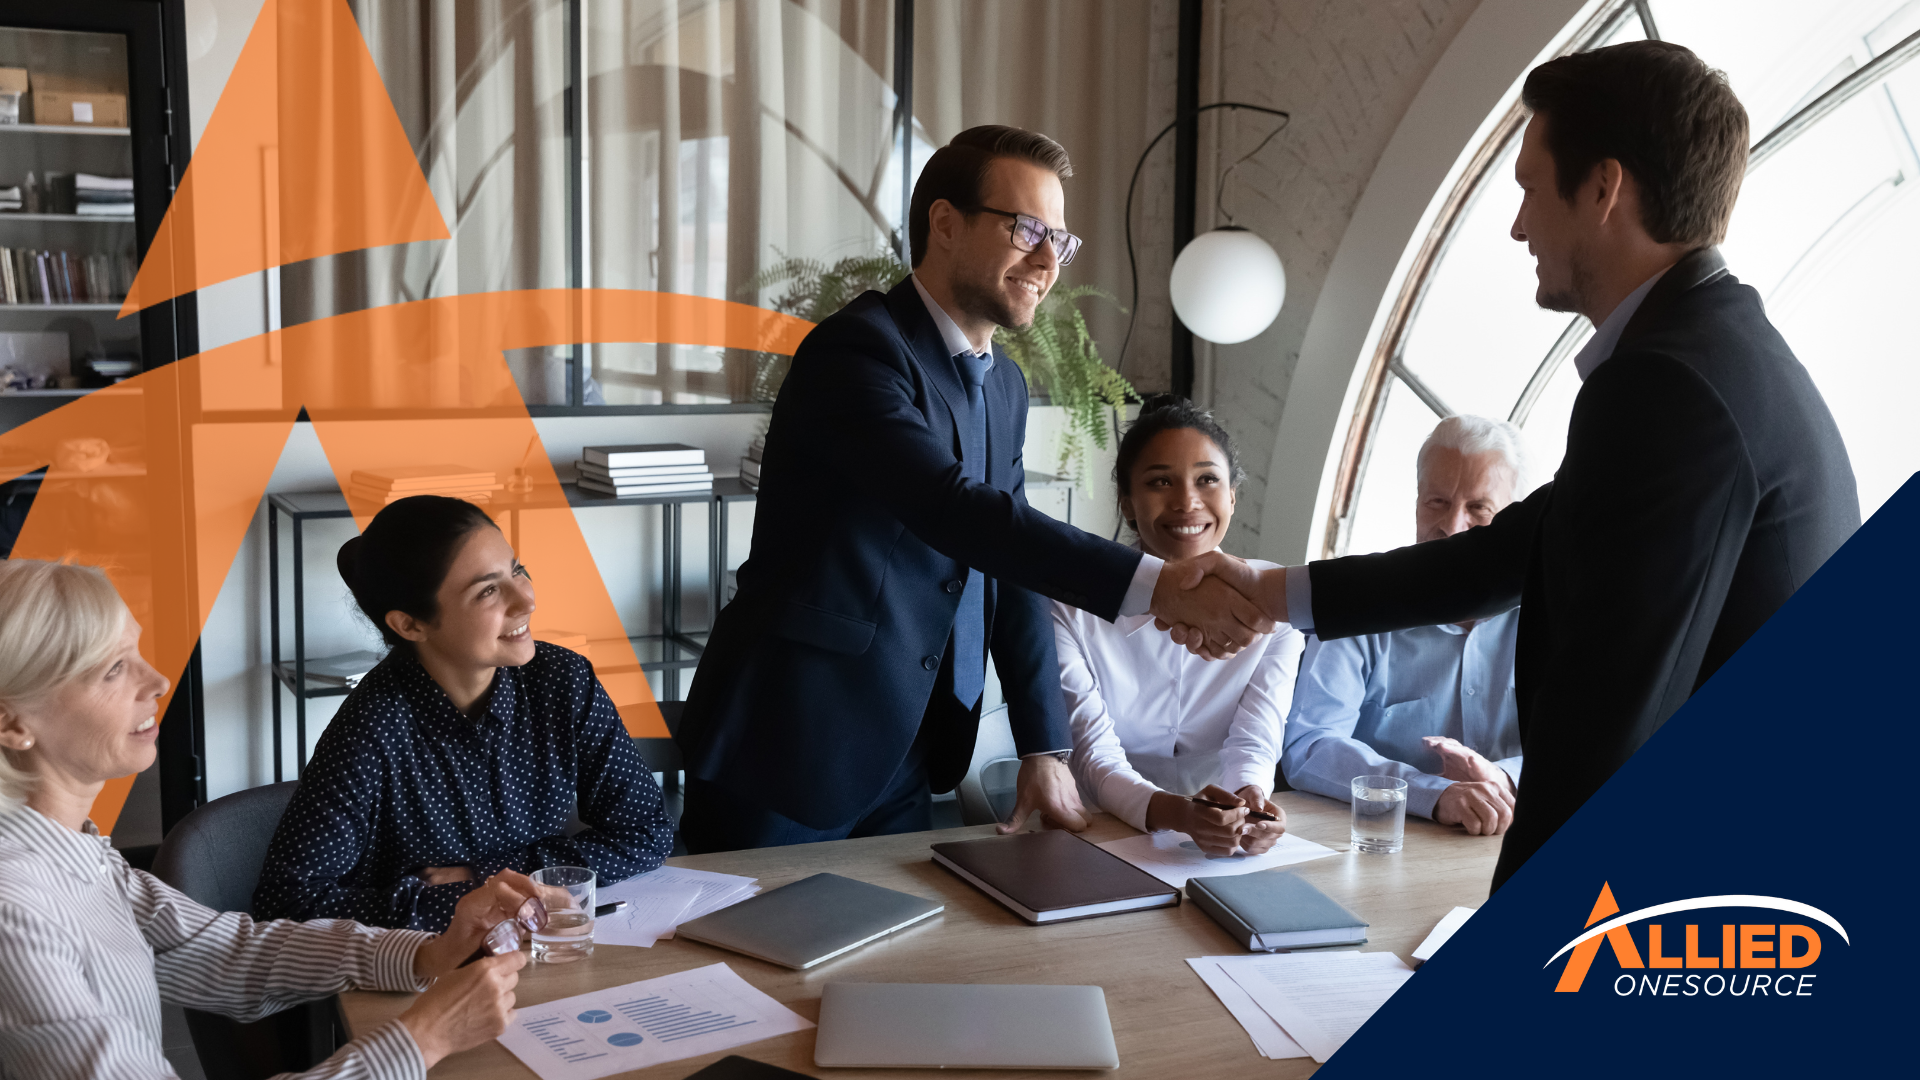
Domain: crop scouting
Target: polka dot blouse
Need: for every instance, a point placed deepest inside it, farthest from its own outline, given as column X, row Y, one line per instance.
column 401, row 781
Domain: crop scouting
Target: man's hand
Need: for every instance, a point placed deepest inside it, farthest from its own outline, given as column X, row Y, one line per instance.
column 1261, row 835
column 1461, row 762
column 468, row 1007
column 1484, row 808
column 1209, row 602
column 1046, row 785
column 476, row 913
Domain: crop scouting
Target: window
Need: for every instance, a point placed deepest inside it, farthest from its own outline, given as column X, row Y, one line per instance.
column 1825, row 229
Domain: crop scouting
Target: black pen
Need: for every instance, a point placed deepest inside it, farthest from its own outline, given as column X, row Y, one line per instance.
column 604, row 910
column 1252, row 815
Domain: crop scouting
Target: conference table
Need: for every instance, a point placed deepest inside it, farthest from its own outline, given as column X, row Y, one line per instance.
column 1165, row 1020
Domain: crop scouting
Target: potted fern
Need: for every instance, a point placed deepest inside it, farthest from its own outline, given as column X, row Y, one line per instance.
column 1057, row 351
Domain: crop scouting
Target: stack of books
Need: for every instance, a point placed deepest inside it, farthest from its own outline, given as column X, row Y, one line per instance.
column 103, row 196
column 750, row 465
column 644, row 469
column 384, row 486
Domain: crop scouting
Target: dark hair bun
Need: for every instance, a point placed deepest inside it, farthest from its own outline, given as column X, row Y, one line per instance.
column 400, row 561
column 348, row 562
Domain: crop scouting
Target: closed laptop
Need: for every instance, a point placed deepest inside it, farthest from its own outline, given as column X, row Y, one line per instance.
column 812, row 920
column 946, row 1026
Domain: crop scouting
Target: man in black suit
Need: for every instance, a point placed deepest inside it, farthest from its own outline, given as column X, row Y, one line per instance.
column 893, row 547
column 1704, row 479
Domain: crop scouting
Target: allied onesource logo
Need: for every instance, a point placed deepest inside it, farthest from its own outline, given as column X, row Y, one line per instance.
column 1742, row 959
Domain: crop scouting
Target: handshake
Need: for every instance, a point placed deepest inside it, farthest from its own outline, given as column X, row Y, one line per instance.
column 1216, row 605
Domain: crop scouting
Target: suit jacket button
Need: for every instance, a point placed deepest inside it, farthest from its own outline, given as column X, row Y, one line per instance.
column 955, row 586
column 930, row 663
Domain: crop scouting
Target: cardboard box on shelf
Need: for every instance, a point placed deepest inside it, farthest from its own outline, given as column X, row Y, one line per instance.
column 13, row 79
column 13, row 86
column 74, row 101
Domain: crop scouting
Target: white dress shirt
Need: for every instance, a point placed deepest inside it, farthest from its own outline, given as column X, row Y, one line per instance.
column 1598, row 349
column 89, row 947
column 1149, row 716
column 1146, row 575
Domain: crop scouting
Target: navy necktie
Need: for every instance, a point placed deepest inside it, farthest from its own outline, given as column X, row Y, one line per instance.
column 970, row 623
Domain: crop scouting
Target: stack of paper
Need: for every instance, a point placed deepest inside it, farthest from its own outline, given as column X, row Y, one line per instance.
column 1302, row 1004
column 644, row 469
column 661, row 900
column 383, row 486
column 1451, row 921
column 1173, row 857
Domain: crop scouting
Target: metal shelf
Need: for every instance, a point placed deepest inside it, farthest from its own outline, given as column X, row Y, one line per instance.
column 60, row 307
column 105, row 219
column 61, row 129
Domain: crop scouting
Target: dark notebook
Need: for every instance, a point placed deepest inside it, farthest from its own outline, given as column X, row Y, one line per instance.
column 1276, row 910
column 1052, row 876
column 810, row 920
column 735, row 1067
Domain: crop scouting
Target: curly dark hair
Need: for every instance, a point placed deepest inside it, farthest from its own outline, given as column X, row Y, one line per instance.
column 1168, row 412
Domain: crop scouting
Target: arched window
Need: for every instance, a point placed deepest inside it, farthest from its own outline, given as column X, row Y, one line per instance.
column 1826, row 229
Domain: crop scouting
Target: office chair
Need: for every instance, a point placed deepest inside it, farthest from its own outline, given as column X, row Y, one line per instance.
column 214, row 855
column 987, row 791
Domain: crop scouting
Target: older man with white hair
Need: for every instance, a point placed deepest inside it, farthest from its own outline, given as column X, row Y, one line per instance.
column 1433, row 705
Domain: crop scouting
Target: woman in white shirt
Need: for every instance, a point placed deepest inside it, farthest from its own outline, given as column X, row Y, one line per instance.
column 1153, row 723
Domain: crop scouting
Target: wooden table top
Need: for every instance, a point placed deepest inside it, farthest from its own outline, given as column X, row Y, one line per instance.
column 1165, row 1020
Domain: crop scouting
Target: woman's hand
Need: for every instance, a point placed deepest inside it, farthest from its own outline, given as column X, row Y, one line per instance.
column 478, row 912
column 1260, row 836
column 466, row 1008
column 1216, row 832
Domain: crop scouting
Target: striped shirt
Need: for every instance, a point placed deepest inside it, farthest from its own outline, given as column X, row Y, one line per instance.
column 89, row 947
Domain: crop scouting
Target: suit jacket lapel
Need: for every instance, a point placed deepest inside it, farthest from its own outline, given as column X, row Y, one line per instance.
column 929, row 351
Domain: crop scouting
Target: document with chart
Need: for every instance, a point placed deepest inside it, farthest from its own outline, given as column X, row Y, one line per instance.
column 646, row 1023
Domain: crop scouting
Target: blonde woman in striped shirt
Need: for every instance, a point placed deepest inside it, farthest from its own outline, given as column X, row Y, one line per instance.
column 89, row 947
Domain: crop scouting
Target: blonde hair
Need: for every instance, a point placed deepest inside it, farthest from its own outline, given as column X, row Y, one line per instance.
column 58, row 621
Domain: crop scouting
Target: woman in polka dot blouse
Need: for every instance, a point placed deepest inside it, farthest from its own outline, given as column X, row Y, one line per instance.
column 466, row 751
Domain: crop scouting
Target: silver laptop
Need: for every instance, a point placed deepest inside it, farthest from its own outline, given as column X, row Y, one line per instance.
column 947, row 1026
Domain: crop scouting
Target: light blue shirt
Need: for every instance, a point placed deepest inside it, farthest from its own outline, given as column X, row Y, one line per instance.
column 1362, row 705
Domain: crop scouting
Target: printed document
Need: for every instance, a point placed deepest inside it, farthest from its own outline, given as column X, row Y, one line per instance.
column 1173, row 857
column 646, row 1023
column 1451, row 921
column 650, row 915
column 1320, row 999
column 1268, row 1037
column 711, row 893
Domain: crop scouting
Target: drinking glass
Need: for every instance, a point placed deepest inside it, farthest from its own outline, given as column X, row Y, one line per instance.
column 568, row 935
column 1379, row 814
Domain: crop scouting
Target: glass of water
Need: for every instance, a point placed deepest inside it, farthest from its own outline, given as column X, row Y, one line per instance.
column 568, row 935
column 1379, row 814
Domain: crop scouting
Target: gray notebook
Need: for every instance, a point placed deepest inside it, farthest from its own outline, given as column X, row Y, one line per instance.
column 942, row 1026
column 811, row 920
column 1276, row 910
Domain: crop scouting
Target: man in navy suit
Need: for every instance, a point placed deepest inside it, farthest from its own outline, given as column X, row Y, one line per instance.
column 893, row 547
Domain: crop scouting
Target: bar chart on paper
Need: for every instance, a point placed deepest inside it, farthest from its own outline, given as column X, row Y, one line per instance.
column 646, row 1023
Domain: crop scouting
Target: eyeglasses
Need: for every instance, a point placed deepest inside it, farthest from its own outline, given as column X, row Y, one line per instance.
column 505, row 935
column 1029, row 231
